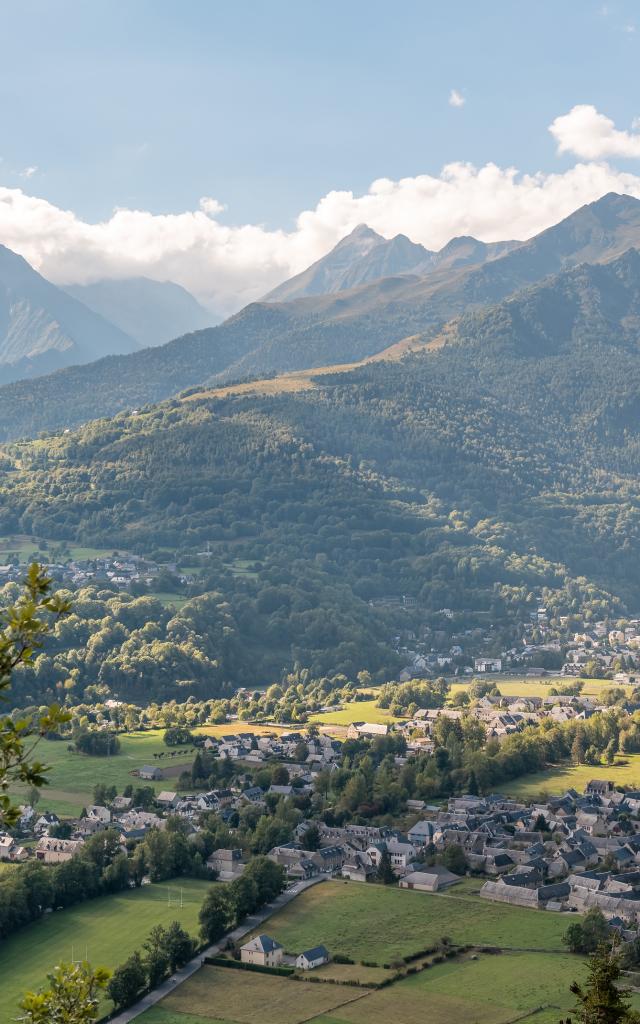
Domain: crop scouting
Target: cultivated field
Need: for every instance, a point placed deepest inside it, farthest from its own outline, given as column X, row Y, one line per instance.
column 107, row 930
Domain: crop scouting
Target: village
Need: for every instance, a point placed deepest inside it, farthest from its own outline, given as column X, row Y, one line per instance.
column 568, row 853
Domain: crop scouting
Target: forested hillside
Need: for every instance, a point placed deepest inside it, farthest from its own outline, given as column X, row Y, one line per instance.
column 496, row 470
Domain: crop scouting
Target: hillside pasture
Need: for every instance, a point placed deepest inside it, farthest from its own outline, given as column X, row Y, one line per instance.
column 73, row 776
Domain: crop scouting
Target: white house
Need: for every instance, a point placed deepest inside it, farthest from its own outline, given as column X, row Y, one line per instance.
column 313, row 958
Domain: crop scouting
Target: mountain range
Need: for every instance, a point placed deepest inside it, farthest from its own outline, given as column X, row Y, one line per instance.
column 364, row 256
column 272, row 337
column 45, row 328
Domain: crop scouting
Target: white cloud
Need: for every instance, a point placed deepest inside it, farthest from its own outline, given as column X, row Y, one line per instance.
column 592, row 135
column 456, row 99
column 228, row 266
column 28, row 172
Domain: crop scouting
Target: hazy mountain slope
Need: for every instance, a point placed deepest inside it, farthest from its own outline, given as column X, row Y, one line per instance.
column 151, row 312
column 269, row 338
column 363, row 255
column 42, row 328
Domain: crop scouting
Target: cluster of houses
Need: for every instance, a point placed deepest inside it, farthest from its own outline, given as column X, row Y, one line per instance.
column 430, row 651
column 118, row 570
column 567, row 853
column 321, row 750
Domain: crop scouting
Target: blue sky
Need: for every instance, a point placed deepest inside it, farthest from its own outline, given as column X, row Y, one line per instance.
column 227, row 145
column 269, row 104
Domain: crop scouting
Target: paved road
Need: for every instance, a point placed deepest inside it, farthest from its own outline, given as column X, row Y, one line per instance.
column 249, row 925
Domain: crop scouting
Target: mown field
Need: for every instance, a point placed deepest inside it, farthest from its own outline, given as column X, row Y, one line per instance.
column 372, row 923
column 73, row 776
column 106, row 930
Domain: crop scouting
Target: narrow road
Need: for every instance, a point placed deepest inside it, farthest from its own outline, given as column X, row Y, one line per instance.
column 250, row 924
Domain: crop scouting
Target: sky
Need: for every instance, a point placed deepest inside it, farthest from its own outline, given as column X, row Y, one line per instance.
column 227, row 145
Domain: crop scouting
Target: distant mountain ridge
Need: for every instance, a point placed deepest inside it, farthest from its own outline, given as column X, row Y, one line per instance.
column 364, row 256
column 319, row 330
column 42, row 328
column 150, row 312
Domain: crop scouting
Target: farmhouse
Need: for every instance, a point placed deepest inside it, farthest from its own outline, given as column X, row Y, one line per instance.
column 227, row 864
column 10, row 850
column 167, row 799
column 262, row 950
column 55, row 851
column 433, row 879
column 312, row 958
column 358, row 729
column 150, row 772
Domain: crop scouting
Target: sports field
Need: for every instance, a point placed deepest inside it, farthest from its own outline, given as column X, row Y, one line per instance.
column 106, row 930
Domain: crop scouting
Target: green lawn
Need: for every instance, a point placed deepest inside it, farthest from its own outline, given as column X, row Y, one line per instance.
column 369, row 922
column 107, row 930
column 358, row 711
column 625, row 772
column 73, row 776
column 170, row 600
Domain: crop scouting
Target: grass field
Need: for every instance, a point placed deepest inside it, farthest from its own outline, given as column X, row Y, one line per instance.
column 238, row 996
column 492, row 989
column 28, row 549
column 170, row 600
column 625, row 772
column 369, row 922
column 358, row 711
column 73, row 776
column 515, row 686
column 108, row 930
column 489, row 990
column 232, row 728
